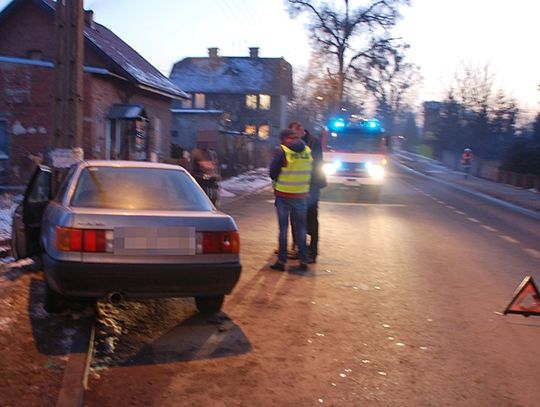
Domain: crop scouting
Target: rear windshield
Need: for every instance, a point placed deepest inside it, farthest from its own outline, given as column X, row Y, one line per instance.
column 354, row 141
column 138, row 188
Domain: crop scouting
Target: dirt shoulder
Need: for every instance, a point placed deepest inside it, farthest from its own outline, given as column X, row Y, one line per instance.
column 34, row 346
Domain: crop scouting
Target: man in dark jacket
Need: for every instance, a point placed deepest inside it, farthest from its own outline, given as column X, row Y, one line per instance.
column 291, row 169
column 318, row 181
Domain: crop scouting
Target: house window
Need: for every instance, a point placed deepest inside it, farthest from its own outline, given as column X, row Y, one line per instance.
column 251, row 102
column 200, row 101
column 251, row 129
column 264, row 131
column 187, row 103
column 264, row 102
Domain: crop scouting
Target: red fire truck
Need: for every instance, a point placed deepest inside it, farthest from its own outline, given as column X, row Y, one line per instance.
column 355, row 153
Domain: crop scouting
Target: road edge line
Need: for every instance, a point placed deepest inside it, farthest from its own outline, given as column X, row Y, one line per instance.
column 524, row 211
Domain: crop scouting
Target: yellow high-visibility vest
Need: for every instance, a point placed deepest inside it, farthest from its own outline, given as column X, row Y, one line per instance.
column 295, row 177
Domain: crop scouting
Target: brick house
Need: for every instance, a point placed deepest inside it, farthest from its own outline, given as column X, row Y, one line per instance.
column 126, row 104
column 232, row 96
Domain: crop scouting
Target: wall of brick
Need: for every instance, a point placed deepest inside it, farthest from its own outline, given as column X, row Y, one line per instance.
column 106, row 92
column 29, row 28
column 26, row 103
column 32, row 28
column 26, row 96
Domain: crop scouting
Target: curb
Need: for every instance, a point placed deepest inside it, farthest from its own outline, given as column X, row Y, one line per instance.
column 75, row 380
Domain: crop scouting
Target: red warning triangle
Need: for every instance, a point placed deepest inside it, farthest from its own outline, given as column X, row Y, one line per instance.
column 526, row 300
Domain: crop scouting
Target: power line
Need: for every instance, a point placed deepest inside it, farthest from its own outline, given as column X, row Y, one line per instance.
column 253, row 17
column 235, row 16
column 244, row 11
column 229, row 14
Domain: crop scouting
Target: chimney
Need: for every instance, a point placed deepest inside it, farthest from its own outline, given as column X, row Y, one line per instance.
column 213, row 52
column 89, row 18
column 254, row 52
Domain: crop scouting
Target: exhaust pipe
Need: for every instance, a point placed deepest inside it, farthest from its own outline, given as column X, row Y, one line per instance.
column 114, row 298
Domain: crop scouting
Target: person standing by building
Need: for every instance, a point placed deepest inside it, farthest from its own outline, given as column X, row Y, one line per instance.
column 318, row 181
column 290, row 170
column 205, row 169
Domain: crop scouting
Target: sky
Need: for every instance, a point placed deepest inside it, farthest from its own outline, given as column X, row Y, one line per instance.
column 443, row 35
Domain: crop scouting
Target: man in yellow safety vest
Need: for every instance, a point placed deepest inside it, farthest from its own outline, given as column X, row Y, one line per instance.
column 290, row 170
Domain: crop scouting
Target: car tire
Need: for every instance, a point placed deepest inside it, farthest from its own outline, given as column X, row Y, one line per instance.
column 14, row 246
column 209, row 305
column 54, row 302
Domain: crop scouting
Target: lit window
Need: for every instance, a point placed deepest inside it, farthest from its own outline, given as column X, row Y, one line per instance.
column 251, row 102
column 187, row 103
column 251, row 129
column 200, row 101
column 264, row 102
column 264, row 131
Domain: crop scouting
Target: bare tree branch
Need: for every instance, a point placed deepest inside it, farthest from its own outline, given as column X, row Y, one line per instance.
column 338, row 31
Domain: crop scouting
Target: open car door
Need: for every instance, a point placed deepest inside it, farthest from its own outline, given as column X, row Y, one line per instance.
column 26, row 226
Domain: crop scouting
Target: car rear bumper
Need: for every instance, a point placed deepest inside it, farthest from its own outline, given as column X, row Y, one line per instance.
column 141, row 280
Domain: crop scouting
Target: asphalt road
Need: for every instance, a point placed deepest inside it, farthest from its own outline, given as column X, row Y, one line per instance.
column 402, row 309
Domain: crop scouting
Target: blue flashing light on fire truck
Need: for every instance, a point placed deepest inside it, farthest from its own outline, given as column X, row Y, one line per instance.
column 355, row 153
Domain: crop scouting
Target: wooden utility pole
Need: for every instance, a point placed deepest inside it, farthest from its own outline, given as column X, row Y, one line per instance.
column 68, row 83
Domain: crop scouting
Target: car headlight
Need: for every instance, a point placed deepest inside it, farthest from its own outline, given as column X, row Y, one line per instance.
column 331, row 168
column 376, row 171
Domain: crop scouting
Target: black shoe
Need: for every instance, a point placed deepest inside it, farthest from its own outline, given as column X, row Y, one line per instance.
column 278, row 266
column 300, row 267
column 311, row 260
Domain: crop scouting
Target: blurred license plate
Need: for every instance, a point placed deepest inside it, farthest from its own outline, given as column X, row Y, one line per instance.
column 350, row 182
column 155, row 241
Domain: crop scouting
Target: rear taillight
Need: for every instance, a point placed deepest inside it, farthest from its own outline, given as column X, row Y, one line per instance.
column 218, row 242
column 84, row 240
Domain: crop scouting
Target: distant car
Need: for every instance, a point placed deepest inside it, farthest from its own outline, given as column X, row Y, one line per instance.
column 127, row 229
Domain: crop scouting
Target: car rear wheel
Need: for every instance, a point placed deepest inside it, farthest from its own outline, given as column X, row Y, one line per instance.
column 14, row 246
column 209, row 305
column 54, row 302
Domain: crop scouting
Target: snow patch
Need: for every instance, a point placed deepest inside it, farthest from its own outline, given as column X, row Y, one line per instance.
column 250, row 181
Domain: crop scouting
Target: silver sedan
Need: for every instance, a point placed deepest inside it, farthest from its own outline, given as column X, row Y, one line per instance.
column 126, row 229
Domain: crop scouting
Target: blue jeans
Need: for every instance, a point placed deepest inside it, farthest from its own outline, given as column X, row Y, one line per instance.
column 297, row 209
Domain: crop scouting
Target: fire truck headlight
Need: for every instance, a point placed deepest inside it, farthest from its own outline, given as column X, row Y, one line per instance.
column 376, row 171
column 331, row 168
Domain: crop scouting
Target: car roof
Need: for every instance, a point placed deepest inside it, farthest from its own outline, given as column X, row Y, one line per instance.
column 129, row 164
